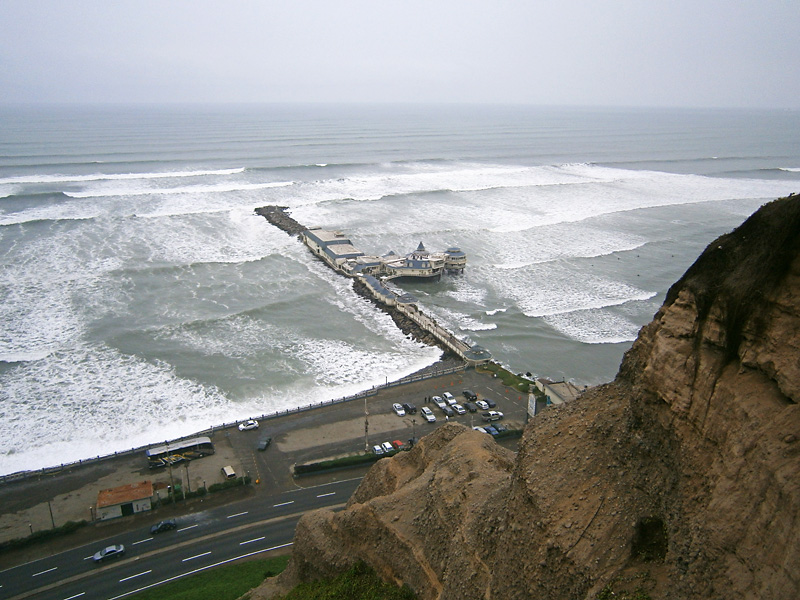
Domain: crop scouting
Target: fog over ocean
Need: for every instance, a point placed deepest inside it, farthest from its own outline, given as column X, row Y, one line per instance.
column 142, row 298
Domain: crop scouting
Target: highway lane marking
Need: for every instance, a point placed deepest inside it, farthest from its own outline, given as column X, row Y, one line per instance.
column 196, row 556
column 263, row 537
column 142, row 541
column 236, row 515
column 76, row 596
column 43, row 572
column 198, row 570
column 283, row 504
column 328, row 494
column 137, row 575
column 189, row 527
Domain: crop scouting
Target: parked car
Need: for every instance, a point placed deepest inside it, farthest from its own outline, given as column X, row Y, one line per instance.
column 492, row 415
column 109, row 552
column 480, row 429
column 491, row 430
column 460, row 410
column 438, row 401
column 264, row 443
column 448, row 411
column 398, row 445
column 248, row 425
column 401, row 412
column 482, row 405
column 377, row 450
column 410, row 408
column 501, row 428
column 428, row 414
column 387, row 447
column 163, row 526
column 470, row 395
column 490, row 402
column 448, row 397
column 470, row 406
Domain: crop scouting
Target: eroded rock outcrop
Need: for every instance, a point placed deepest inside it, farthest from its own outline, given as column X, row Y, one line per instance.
column 682, row 477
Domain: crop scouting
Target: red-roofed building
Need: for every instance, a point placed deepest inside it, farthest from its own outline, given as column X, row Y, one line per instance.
column 125, row 500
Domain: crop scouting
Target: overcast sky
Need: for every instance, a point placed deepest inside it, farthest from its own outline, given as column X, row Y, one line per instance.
column 560, row 52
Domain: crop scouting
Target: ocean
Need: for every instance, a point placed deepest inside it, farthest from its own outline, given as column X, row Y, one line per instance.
column 142, row 298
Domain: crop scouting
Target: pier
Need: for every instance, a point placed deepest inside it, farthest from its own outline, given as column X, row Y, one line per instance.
column 370, row 274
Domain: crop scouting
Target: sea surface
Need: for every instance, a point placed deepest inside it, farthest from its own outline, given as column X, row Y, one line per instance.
column 142, row 298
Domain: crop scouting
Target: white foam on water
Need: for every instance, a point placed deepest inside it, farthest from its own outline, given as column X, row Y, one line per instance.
column 495, row 311
column 66, row 178
column 594, row 326
column 212, row 188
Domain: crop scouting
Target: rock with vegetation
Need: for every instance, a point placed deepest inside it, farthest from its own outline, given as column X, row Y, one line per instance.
column 680, row 479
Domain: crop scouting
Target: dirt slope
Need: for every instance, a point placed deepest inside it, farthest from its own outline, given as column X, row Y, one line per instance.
column 681, row 478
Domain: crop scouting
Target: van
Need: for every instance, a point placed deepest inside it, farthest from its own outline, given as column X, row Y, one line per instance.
column 228, row 472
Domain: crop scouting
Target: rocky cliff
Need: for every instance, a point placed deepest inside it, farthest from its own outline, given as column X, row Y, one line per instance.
column 681, row 479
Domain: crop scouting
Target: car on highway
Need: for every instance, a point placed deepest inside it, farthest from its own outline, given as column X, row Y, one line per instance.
column 163, row 526
column 109, row 552
column 377, row 450
column 248, row 425
column 398, row 408
column 428, row 414
column 460, row 410
column 264, row 443
column 482, row 405
column 492, row 415
column 438, row 401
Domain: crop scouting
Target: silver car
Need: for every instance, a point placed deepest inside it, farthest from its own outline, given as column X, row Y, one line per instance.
column 109, row 552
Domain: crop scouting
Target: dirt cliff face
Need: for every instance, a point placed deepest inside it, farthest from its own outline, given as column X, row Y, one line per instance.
column 680, row 479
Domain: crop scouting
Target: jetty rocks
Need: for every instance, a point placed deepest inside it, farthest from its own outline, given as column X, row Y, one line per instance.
column 680, row 479
column 279, row 217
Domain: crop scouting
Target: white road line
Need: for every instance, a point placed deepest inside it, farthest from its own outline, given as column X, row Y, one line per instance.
column 328, row 494
column 43, row 572
column 137, row 575
column 253, row 540
column 76, row 596
column 283, row 504
column 189, row 527
column 196, row 556
column 236, row 515
column 198, row 570
column 142, row 541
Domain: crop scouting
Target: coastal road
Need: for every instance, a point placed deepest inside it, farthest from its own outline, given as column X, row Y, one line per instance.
column 202, row 540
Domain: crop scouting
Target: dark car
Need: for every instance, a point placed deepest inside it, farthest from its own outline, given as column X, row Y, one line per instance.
column 448, row 411
column 500, row 427
column 491, row 403
column 470, row 395
column 409, row 408
column 264, row 444
column 163, row 526
column 470, row 407
column 109, row 552
column 491, row 430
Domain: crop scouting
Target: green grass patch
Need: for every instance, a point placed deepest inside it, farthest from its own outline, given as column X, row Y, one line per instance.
column 358, row 583
column 355, row 460
column 221, row 583
column 42, row 536
column 508, row 378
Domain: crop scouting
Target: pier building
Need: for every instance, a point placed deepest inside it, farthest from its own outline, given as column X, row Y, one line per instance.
column 338, row 251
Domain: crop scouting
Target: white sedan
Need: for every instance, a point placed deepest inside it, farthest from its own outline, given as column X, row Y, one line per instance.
column 248, row 425
column 401, row 412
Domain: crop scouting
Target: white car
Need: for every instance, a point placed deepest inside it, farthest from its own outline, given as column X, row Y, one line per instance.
column 387, row 447
column 398, row 408
column 115, row 551
column 428, row 415
column 482, row 405
column 448, row 397
column 480, row 429
column 248, row 425
column 460, row 410
column 377, row 450
column 437, row 400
